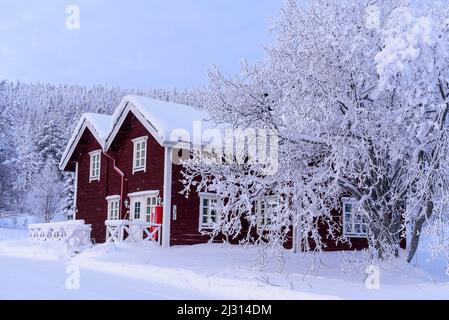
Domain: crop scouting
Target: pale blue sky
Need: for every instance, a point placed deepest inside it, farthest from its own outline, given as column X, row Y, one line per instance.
column 131, row 43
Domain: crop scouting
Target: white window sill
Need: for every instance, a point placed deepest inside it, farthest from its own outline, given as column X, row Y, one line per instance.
column 361, row 236
column 206, row 228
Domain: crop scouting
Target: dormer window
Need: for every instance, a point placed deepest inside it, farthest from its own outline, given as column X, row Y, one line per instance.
column 140, row 154
column 95, row 163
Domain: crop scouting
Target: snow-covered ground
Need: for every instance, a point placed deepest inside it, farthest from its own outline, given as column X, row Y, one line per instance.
column 29, row 270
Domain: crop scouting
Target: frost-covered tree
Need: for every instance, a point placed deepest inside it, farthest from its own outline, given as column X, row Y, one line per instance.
column 6, row 150
column 357, row 92
column 316, row 88
column 50, row 143
column 45, row 197
column 413, row 65
column 24, row 162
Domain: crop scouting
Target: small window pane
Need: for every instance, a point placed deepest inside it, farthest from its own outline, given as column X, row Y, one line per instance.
column 139, row 155
column 137, row 210
column 354, row 221
column 113, row 209
column 94, row 172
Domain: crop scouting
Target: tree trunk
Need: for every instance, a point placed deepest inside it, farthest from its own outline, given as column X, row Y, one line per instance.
column 417, row 231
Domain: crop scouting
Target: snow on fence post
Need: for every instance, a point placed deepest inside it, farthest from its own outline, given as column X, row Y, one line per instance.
column 115, row 230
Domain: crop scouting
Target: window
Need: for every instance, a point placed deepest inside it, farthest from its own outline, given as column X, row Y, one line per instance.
column 142, row 204
column 151, row 202
column 354, row 223
column 265, row 211
column 95, row 161
column 208, row 212
column 140, row 154
column 113, row 207
column 136, row 210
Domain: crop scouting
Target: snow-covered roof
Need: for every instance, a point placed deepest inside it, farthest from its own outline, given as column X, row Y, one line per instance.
column 100, row 127
column 101, row 124
column 169, row 123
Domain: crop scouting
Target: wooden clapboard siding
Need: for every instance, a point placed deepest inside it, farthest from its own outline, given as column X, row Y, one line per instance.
column 91, row 202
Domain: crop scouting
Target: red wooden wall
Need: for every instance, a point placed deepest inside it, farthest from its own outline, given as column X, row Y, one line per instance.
column 91, row 203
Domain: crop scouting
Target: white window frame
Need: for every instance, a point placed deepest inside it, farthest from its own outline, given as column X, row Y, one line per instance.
column 262, row 218
column 150, row 202
column 93, row 156
column 210, row 197
column 113, row 207
column 353, row 233
column 136, row 143
column 143, row 196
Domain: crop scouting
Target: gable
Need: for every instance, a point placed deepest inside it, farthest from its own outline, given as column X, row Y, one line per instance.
column 129, row 118
column 131, row 128
column 169, row 123
column 99, row 127
column 86, row 143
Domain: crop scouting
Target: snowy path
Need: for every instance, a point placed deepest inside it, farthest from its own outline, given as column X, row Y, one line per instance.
column 34, row 270
column 23, row 278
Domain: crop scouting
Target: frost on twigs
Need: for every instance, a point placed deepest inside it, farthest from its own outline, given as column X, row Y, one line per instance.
column 359, row 97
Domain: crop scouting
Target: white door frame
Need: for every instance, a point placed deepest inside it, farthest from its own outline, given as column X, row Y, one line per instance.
column 140, row 197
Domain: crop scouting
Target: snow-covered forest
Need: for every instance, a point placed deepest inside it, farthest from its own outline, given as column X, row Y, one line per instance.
column 36, row 121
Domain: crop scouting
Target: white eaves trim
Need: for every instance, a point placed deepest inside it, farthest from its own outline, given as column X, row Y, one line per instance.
column 164, row 120
column 119, row 117
column 98, row 125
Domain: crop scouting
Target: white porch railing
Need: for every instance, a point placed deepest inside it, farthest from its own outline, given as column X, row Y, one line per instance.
column 118, row 231
column 74, row 233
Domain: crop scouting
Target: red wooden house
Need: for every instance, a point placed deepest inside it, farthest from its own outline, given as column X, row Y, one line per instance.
column 123, row 171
